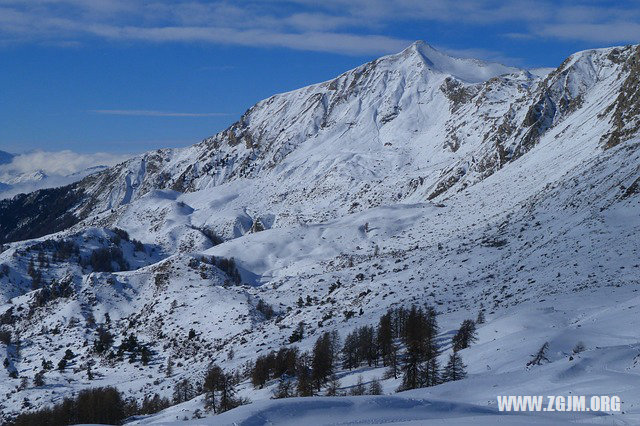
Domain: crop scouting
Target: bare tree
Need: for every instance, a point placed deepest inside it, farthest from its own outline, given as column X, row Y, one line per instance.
column 540, row 355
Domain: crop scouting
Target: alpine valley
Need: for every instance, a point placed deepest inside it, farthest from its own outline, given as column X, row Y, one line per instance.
column 415, row 179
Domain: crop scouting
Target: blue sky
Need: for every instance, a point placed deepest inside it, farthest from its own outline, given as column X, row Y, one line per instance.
column 125, row 76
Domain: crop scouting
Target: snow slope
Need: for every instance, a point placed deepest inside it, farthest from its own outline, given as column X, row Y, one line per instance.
column 610, row 365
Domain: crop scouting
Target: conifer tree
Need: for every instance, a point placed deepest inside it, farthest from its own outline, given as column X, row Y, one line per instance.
column 388, row 349
column 145, row 355
column 211, row 384
column 465, row 335
column 261, row 370
column 359, row 388
column 413, row 339
column 420, row 330
column 323, row 359
column 374, row 387
column 333, row 386
column 284, row 389
column 285, row 362
column 227, row 394
column 303, row 371
column 183, row 391
column 350, row 351
column 38, row 379
column 298, row 333
column 455, row 369
column 169, row 369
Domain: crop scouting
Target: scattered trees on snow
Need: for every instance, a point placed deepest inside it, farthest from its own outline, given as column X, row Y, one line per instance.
column 98, row 405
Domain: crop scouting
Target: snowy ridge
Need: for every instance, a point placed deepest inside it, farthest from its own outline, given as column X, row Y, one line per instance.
column 415, row 178
column 351, row 139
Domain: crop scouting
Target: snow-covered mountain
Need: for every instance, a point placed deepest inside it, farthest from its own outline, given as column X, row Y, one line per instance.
column 415, row 178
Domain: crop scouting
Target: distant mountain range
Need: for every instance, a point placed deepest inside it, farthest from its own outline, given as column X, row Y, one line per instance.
column 25, row 177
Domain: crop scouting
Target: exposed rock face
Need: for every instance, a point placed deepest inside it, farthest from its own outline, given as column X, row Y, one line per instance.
column 626, row 108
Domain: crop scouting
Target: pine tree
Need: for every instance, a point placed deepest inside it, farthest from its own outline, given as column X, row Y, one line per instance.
column 24, row 383
column 368, row 345
column 303, row 371
column 323, row 358
column 38, row 379
column 47, row 364
column 419, row 333
column 388, row 349
column 375, row 388
column 359, row 388
column 262, row 370
column 480, row 319
column 145, row 355
column 227, row 391
column 431, row 369
column 298, row 333
column 285, row 362
column 104, row 339
column 350, row 351
column 431, row 372
column 130, row 343
column 169, row 369
column 183, row 391
column 455, row 369
column 415, row 353
column 333, row 386
column 465, row 335
column 284, row 389
column 211, row 384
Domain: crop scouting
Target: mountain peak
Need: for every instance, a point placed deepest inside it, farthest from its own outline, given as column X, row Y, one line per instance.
column 420, row 45
column 466, row 69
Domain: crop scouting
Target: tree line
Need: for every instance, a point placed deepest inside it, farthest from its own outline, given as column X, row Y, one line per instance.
column 403, row 341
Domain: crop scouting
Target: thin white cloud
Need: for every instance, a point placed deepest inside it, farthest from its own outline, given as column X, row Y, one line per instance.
column 56, row 163
column 617, row 32
column 486, row 54
column 339, row 26
column 152, row 113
